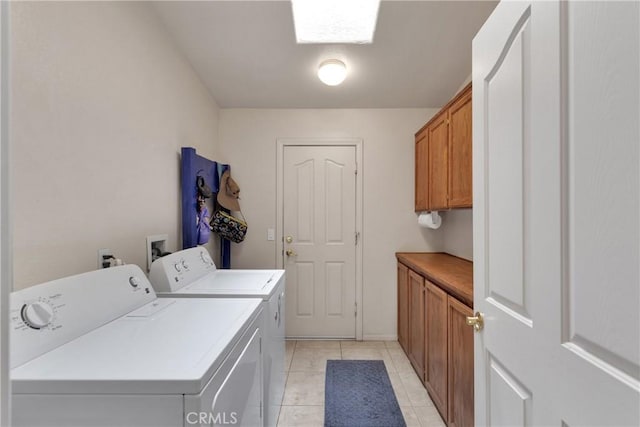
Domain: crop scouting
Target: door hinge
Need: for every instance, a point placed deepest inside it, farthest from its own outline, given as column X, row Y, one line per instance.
column 356, row 170
column 355, row 312
column 357, row 236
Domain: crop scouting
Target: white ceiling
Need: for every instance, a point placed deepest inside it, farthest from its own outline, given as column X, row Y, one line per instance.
column 245, row 52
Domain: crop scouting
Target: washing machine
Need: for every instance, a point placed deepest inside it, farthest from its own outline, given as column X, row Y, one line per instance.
column 191, row 273
column 100, row 349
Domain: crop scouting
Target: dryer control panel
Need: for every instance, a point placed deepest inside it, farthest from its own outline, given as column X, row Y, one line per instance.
column 176, row 270
column 46, row 316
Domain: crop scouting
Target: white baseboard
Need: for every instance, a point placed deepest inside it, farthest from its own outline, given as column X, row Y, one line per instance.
column 371, row 337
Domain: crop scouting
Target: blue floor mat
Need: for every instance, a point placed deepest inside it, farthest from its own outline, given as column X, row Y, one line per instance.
column 358, row 393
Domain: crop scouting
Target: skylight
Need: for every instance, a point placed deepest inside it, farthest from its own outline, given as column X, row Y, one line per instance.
column 335, row 21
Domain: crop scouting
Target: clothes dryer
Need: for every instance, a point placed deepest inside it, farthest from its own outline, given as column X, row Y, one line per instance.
column 191, row 273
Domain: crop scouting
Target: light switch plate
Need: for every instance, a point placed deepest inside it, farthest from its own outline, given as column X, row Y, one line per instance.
column 271, row 234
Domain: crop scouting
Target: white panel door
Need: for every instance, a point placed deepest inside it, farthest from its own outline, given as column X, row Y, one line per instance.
column 556, row 214
column 319, row 240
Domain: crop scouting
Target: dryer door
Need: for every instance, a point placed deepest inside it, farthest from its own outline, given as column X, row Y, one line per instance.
column 234, row 394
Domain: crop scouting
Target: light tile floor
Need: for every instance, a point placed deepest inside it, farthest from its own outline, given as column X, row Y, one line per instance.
column 303, row 404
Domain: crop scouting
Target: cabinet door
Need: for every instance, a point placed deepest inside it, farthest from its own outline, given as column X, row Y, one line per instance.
column 422, row 172
column 460, row 411
column 460, row 194
column 416, row 322
column 403, row 306
column 438, row 163
column 435, row 370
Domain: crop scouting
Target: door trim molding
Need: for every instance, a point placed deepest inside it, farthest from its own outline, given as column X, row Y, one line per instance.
column 6, row 246
column 349, row 142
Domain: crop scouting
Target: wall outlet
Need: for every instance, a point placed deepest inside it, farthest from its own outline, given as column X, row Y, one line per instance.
column 103, row 257
column 156, row 247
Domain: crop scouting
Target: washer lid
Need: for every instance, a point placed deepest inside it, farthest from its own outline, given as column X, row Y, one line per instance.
column 247, row 283
column 171, row 347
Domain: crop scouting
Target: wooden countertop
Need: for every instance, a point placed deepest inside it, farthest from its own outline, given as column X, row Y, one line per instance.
column 453, row 274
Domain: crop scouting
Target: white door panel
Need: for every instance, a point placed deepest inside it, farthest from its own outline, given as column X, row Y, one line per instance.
column 511, row 401
column 505, row 150
column 600, row 279
column 556, row 208
column 599, row 317
column 319, row 217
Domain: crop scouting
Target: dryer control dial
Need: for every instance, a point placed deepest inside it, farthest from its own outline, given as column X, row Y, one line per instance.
column 37, row 315
column 178, row 267
column 206, row 258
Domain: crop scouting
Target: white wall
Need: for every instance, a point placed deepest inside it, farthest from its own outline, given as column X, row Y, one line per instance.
column 5, row 223
column 464, row 84
column 102, row 101
column 457, row 233
column 248, row 142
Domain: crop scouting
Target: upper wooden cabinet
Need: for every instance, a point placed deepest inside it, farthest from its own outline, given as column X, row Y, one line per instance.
column 443, row 157
column 438, row 132
column 460, row 151
column 422, row 158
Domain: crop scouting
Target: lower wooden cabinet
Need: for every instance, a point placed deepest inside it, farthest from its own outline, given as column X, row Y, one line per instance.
column 432, row 330
column 460, row 366
column 436, row 347
column 403, row 307
column 416, row 322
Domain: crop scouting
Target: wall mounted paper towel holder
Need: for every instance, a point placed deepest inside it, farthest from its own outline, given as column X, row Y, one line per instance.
column 431, row 219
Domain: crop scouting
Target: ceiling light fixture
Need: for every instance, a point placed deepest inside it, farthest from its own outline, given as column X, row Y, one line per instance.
column 332, row 72
column 335, row 21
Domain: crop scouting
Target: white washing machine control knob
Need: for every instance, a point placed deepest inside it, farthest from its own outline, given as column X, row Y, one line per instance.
column 37, row 315
column 178, row 267
column 134, row 281
column 185, row 265
column 205, row 257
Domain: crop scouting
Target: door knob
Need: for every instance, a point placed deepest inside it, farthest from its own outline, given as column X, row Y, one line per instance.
column 289, row 239
column 290, row 253
column 476, row 321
